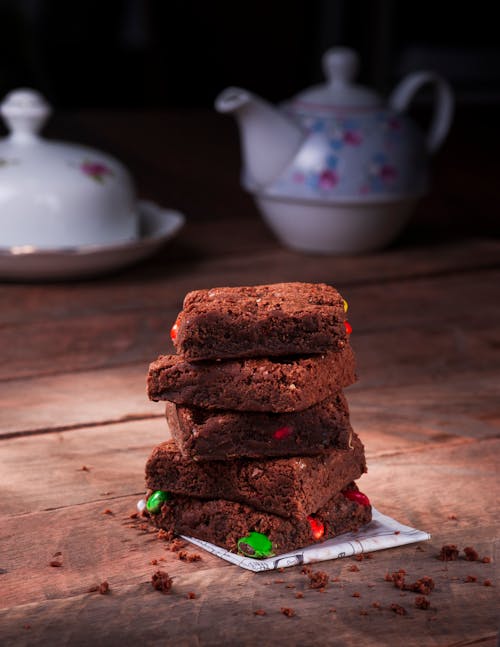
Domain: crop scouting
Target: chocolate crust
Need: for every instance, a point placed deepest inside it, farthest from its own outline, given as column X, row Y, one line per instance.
column 289, row 487
column 205, row 435
column 263, row 320
column 224, row 522
column 265, row 384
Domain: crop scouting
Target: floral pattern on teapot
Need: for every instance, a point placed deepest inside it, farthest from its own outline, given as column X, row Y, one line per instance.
column 362, row 157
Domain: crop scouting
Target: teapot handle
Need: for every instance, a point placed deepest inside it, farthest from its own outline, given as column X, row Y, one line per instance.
column 403, row 94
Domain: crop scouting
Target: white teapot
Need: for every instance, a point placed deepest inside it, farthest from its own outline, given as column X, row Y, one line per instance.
column 335, row 170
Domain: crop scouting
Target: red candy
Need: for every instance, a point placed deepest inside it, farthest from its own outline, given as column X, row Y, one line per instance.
column 318, row 529
column 173, row 331
column 358, row 497
column 348, row 327
column 282, row 433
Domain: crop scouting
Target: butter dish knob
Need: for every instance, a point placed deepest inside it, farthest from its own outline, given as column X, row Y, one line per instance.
column 25, row 112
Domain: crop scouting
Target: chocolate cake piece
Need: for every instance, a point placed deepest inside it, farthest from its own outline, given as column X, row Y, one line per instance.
column 290, row 487
column 262, row 320
column 266, row 384
column 224, row 523
column 204, row 434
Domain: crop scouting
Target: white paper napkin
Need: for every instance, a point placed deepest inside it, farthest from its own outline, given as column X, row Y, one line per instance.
column 382, row 532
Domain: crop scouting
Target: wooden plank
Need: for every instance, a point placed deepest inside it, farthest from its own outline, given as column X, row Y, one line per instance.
column 78, row 399
column 170, row 275
column 37, row 469
column 441, row 306
column 46, row 471
column 450, row 363
column 423, row 489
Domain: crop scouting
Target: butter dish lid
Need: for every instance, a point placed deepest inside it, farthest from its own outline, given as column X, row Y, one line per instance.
column 57, row 194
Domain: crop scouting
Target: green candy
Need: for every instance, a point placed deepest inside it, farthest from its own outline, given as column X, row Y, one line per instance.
column 255, row 544
column 156, row 500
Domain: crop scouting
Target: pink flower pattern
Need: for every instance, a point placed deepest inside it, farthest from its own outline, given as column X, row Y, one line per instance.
column 96, row 170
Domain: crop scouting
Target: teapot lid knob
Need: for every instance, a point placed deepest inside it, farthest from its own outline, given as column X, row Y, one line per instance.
column 24, row 111
column 340, row 65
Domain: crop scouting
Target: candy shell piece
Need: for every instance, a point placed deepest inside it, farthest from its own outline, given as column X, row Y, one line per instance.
column 358, row 497
column 346, row 305
column 173, row 331
column 255, row 544
column 348, row 327
column 282, row 433
column 156, row 500
column 317, row 528
column 141, row 505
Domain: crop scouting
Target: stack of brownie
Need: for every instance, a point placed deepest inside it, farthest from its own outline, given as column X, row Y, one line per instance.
column 263, row 458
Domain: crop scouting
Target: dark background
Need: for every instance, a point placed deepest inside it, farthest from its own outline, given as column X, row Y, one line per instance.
column 175, row 56
column 143, row 53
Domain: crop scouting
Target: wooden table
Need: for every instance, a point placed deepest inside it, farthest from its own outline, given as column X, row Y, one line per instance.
column 76, row 426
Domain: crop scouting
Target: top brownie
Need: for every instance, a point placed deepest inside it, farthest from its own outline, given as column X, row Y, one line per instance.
column 262, row 320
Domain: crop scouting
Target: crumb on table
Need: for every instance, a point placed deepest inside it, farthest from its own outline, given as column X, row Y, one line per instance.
column 161, row 581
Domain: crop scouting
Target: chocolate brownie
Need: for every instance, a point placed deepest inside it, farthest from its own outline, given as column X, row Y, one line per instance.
column 204, row 434
column 266, row 384
column 224, row 523
column 262, row 320
column 284, row 486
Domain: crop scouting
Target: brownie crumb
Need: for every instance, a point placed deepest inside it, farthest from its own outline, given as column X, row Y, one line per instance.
column 453, row 517
column 134, row 515
column 279, row 581
column 448, row 553
column 290, row 586
column 356, row 594
column 397, row 608
column 84, row 468
column 318, row 579
column 281, row 570
column 299, row 595
column 306, row 570
column 177, row 544
column 487, row 583
column 153, row 562
column 332, row 610
column 363, row 612
column 486, row 560
column 259, row 612
column 388, row 577
column 161, row 581
column 103, row 588
column 163, row 534
column 191, row 595
column 421, row 602
column 188, row 557
column 55, row 563
column 424, row 585
column 376, row 605
column 471, row 555
column 398, row 578
column 353, row 568
column 286, row 611
column 107, row 511
column 470, row 578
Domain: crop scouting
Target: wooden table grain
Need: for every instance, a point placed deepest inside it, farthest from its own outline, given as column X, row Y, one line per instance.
column 76, row 429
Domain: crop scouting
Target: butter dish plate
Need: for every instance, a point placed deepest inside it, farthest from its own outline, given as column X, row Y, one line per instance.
column 29, row 263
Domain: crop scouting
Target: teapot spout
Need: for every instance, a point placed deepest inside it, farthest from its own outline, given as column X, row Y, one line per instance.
column 270, row 139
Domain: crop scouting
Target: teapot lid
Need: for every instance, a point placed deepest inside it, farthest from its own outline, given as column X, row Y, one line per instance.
column 340, row 65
